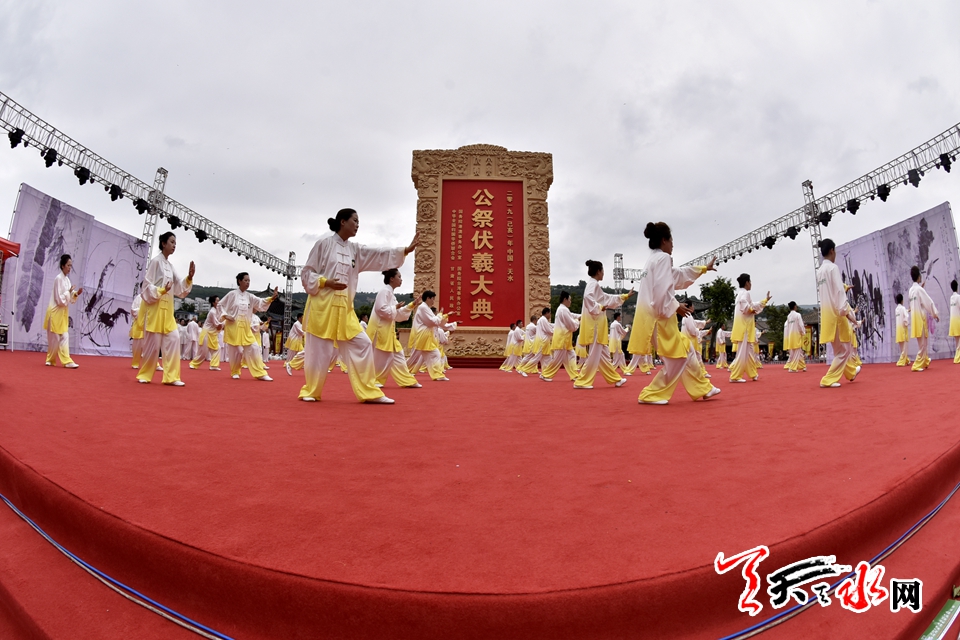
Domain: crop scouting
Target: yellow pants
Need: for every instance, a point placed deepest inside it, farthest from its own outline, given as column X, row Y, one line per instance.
column 137, row 350
column 841, row 365
column 904, row 358
column 209, row 348
column 58, row 346
column 153, row 345
column 687, row 370
column 249, row 355
column 394, row 364
column 357, row 354
column 597, row 360
column 745, row 363
column 565, row 359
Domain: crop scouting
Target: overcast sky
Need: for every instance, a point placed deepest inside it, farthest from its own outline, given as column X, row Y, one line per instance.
column 272, row 116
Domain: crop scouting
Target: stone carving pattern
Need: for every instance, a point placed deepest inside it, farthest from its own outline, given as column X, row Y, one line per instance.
column 483, row 160
column 475, row 347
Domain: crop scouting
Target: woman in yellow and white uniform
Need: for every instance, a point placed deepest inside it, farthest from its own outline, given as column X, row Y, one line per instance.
column 835, row 317
column 329, row 320
column 617, row 333
column 793, row 330
column 509, row 362
column 57, row 318
column 561, row 346
column 921, row 306
column 594, row 333
column 955, row 320
column 425, row 349
column 294, row 345
column 657, row 306
column 208, row 344
column 160, row 284
column 382, row 330
column 237, row 311
column 744, row 334
column 903, row 330
column 543, row 345
column 721, row 346
column 136, row 330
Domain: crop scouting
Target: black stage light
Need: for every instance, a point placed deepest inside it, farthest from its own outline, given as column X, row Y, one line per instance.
column 825, row 218
column 83, row 174
column 945, row 162
column 174, row 221
column 49, row 157
column 769, row 242
column 853, row 205
column 115, row 192
column 883, row 192
column 201, row 235
column 15, row 137
column 791, row 233
column 141, row 205
column 914, row 177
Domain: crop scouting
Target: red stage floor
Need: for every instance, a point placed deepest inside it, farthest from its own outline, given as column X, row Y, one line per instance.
column 488, row 506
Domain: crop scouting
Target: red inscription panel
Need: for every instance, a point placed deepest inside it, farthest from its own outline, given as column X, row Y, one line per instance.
column 481, row 252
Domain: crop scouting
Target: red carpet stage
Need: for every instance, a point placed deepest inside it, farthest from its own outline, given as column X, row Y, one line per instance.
column 490, row 506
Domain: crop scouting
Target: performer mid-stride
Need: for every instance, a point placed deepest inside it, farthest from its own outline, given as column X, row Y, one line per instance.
column 744, row 335
column 657, row 309
column 329, row 321
column 57, row 319
column 903, row 331
column 835, row 317
column 955, row 321
column 160, row 332
column 921, row 306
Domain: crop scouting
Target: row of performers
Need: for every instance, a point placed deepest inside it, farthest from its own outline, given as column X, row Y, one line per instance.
column 332, row 330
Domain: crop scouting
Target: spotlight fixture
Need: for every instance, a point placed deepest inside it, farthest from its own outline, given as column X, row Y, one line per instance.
column 15, row 137
column 825, row 218
column 853, row 205
column 883, row 192
column 49, row 157
column 174, row 221
column 769, row 242
column 791, row 233
column 141, row 205
column 913, row 176
column 945, row 162
column 201, row 235
column 116, row 192
column 83, row 174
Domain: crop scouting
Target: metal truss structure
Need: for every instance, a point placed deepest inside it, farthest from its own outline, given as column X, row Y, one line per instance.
column 939, row 152
column 23, row 127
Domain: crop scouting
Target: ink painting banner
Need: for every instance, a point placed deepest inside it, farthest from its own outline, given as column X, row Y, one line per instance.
column 877, row 267
column 107, row 263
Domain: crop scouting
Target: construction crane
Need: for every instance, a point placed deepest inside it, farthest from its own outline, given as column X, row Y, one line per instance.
column 23, row 127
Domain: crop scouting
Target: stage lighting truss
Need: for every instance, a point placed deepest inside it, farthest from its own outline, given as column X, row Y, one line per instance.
column 906, row 169
column 23, row 127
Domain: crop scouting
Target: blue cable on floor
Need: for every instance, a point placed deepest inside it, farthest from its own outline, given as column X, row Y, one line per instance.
column 187, row 622
column 760, row 626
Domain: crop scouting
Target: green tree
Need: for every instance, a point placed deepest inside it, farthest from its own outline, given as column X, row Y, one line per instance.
column 721, row 297
column 775, row 315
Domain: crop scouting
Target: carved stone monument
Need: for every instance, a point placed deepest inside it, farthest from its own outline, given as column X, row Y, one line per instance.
column 484, row 245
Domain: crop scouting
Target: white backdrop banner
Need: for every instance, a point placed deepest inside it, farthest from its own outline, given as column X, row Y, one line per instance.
column 877, row 266
column 107, row 263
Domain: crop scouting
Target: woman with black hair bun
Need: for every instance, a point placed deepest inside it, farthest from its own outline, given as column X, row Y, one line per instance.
column 160, row 333
column 835, row 317
column 657, row 311
column 955, row 320
column 57, row 319
column 793, row 331
column 903, row 330
column 921, row 306
column 745, row 336
column 329, row 321
column 594, row 333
